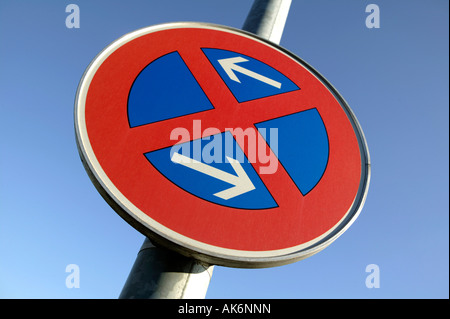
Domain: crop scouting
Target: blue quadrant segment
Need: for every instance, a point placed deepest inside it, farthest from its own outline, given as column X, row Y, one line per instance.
column 212, row 151
column 255, row 78
column 302, row 147
column 163, row 90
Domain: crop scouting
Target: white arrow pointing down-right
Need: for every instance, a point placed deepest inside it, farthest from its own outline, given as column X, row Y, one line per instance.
column 242, row 183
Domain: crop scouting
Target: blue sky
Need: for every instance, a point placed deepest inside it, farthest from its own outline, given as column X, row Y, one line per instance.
column 394, row 78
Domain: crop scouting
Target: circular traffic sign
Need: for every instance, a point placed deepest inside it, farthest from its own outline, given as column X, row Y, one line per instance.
column 220, row 145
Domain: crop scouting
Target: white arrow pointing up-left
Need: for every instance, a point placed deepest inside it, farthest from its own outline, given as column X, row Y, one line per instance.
column 230, row 67
column 241, row 183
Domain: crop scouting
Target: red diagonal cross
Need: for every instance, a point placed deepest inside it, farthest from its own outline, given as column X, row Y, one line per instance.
column 228, row 113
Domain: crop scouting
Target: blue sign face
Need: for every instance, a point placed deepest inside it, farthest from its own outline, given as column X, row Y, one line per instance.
column 220, row 173
column 215, row 168
column 163, row 90
column 302, row 146
column 247, row 78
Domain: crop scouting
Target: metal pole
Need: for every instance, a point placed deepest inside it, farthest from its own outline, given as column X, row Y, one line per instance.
column 267, row 19
column 159, row 273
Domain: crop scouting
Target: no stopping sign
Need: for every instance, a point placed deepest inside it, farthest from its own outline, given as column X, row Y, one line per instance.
column 220, row 145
